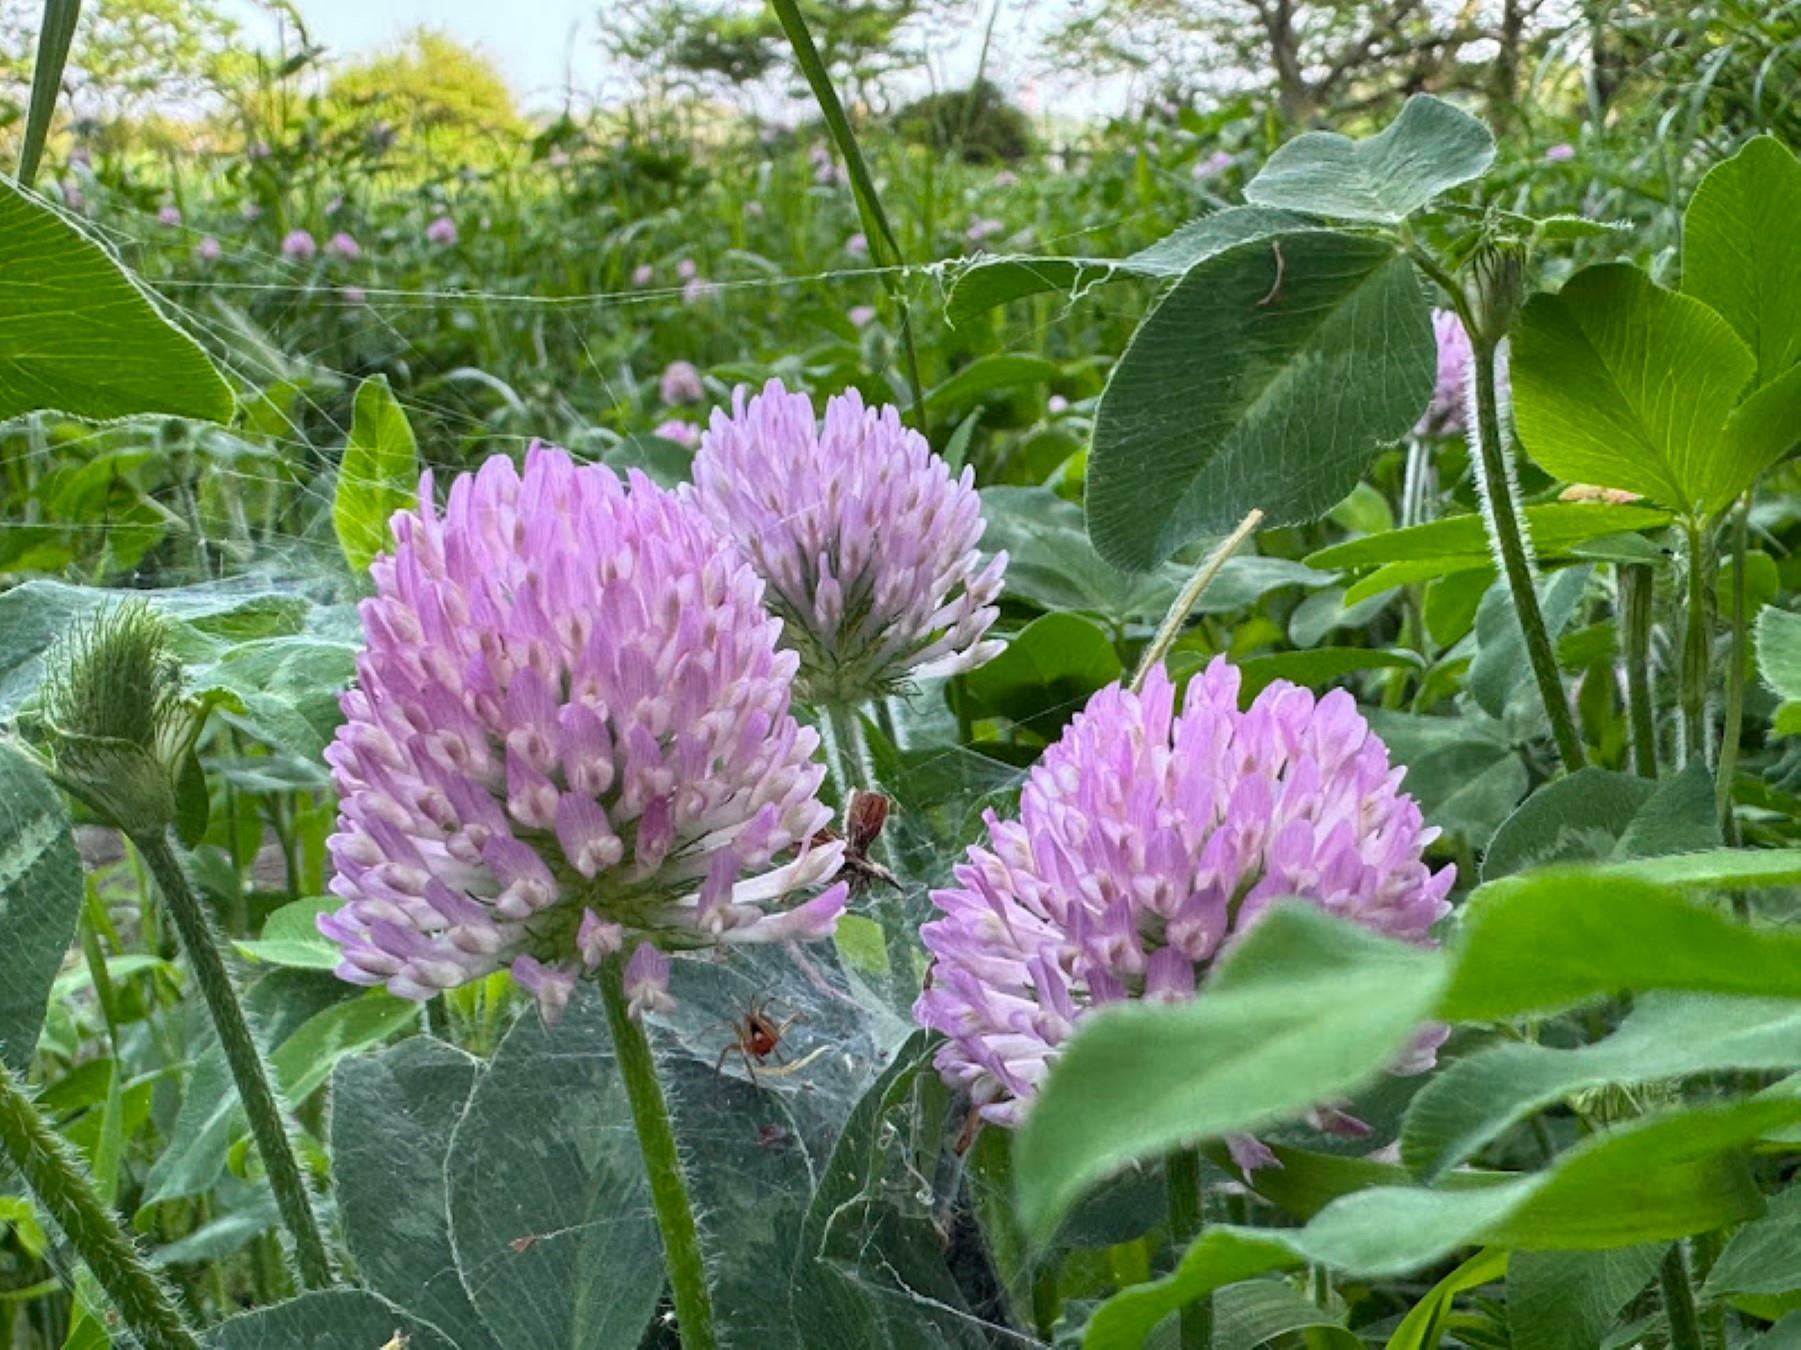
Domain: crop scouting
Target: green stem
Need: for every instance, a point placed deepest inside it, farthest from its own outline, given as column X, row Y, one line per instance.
column 1504, row 526
column 1182, row 1177
column 62, row 1186
column 1636, row 585
column 245, row 1059
column 1171, row 627
column 662, row 1163
column 1735, row 675
column 1697, row 650
column 883, row 245
column 1679, row 1301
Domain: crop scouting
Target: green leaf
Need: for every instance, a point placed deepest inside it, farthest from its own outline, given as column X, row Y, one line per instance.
column 1221, row 1256
column 1429, row 148
column 1596, row 814
column 1551, row 939
column 1318, row 667
column 1424, row 1326
column 1739, row 255
column 1556, row 528
column 1499, row 671
column 291, row 937
column 549, row 1208
column 1623, row 384
column 1306, row 1008
column 1047, row 672
column 392, row 1116
column 1268, row 377
column 1476, row 1099
column 988, row 282
column 40, row 900
column 1779, row 653
column 1568, row 1300
column 986, row 374
column 377, row 476
column 80, row 336
column 327, row 1319
column 1760, row 1258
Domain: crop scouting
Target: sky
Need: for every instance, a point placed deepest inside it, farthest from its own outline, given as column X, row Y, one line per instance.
column 540, row 45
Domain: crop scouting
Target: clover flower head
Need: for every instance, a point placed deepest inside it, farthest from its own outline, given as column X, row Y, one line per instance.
column 867, row 542
column 299, row 245
column 442, row 231
column 1147, row 840
column 694, row 290
column 208, row 249
column 1446, row 414
column 1560, row 153
column 570, row 732
column 1216, row 163
column 642, row 275
column 168, row 214
column 857, row 245
column 680, row 383
column 344, row 246
column 861, row 316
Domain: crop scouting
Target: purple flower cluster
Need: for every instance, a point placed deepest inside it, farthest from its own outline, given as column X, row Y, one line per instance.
column 442, row 231
column 1446, row 415
column 299, row 245
column 570, row 732
column 867, row 542
column 1147, row 840
column 680, row 383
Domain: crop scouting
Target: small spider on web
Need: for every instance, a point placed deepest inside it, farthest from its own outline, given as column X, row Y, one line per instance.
column 757, row 1037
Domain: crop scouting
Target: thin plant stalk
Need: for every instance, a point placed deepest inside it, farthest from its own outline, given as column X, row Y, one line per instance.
column 1697, row 649
column 1171, row 627
column 1182, row 1177
column 1735, row 675
column 883, row 245
column 1504, row 527
column 244, row 1057
column 1636, row 585
column 1679, row 1300
column 63, row 1187
column 662, row 1164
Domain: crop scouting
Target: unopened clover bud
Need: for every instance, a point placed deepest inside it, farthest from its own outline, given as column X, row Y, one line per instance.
column 118, row 724
column 1496, row 288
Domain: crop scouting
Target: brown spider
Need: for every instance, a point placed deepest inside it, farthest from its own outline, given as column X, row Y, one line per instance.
column 757, row 1037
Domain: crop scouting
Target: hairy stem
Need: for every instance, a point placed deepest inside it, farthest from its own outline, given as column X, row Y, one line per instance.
column 1182, row 1176
column 1636, row 586
column 1171, row 627
column 1735, row 675
column 245, row 1059
column 662, row 1164
column 1504, row 527
column 62, row 1186
column 1697, row 649
column 1679, row 1300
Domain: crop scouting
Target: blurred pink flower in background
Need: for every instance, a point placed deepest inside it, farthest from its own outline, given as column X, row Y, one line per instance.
column 250, row 210
column 299, row 245
column 168, row 215
column 442, row 231
column 1218, row 162
column 344, row 246
column 71, row 193
column 1560, row 152
column 982, row 228
column 208, row 250
column 687, row 269
column 642, row 275
column 682, row 433
column 1055, row 404
column 860, row 315
column 857, row 245
column 354, row 295
column 694, row 291
column 680, row 383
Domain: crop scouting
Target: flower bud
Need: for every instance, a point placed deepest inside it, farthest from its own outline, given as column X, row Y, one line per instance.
column 1496, row 288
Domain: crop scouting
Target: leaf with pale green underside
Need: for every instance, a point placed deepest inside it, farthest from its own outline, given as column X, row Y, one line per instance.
column 1556, row 528
column 1620, row 383
column 327, row 1319
column 1428, row 149
column 1739, row 252
column 78, row 335
column 1305, row 1009
column 1268, row 377
column 378, row 475
column 1550, row 939
column 1567, row 1300
column 1760, row 1258
column 1779, row 662
column 1596, row 814
column 1473, row 1101
column 989, row 282
column 40, row 898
